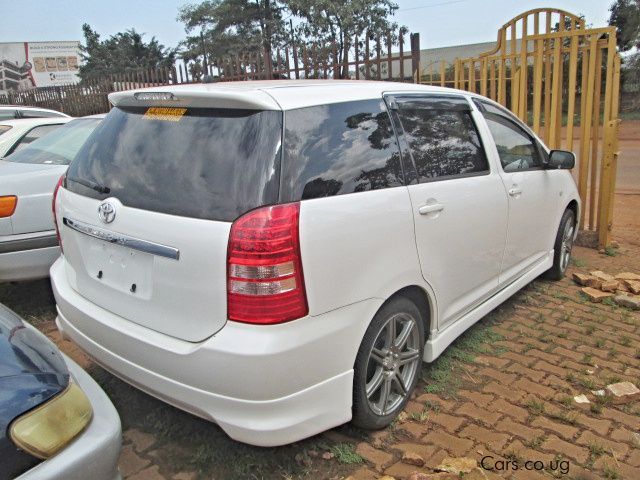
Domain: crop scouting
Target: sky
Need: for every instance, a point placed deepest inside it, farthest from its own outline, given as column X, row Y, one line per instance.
column 439, row 22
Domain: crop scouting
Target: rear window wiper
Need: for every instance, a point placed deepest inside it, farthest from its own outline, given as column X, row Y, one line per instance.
column 89, row 184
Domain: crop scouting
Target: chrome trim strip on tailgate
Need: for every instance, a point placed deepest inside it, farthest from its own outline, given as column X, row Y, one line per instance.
column 124, row 240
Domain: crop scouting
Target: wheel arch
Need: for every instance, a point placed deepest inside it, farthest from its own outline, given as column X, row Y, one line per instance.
column 420, row 297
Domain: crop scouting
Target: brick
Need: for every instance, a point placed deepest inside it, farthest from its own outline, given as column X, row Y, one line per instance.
column 599, row 274
column 596, row 296
column 130, row 462
column 412, row 458
column 572, row 354
column 578, row 453
column 494, row 441
column 415, row 430
column 516, row 357
column 151, row 473
column 519, row 430
column 425, row 451
column 549, row 357
column 632, row 302
column 432, row 399
column 478, row 398
column 141, row 441
column 549, row 368
column 363, row 473
column 611, row 286
column 498, row 375
column 622, row 389
column 377, row 458
column 402, row 470
column 588, row 438
column 452, row 444
column 534, row 375
column 581, row 278
column 449, row 422
column 498, row 362
column 633, row 286
column 634, row 458
column 566, row 431
column 535, row 388
column 512, row 394
column 627, row 276
column 599, row 426
column 630, row 421
column 507, row 408
column 480, row 414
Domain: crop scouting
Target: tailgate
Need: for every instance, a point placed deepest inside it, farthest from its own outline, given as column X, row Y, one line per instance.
column 164, row 272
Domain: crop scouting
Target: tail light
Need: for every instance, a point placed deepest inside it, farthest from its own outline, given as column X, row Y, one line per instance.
column 53, row 208
column 8, row 205
column 265, row 284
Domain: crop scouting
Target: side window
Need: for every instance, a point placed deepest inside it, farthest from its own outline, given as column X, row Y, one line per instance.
column 337, row 149
column 7, row 114
column 32, row 135
column 516, row 148
column 441, row 136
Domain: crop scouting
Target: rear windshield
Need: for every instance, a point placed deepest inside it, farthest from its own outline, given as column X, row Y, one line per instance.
column 57, row 147
column 212, row 164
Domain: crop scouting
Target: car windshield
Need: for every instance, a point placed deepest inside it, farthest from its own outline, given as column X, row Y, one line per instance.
column 4, row 128
column 58, row 147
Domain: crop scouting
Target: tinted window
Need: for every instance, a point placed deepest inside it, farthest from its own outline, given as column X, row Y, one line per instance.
column 339, row 148
column 442, row 138
column 33, row 135
column 516, row 148
column 7, row 115
column 204, row 163
column 58, row 147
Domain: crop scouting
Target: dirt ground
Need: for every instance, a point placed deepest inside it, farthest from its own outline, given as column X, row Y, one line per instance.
column 503, row 390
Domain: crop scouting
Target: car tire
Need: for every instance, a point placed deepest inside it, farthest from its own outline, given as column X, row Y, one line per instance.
column 562, row 246
column 388, row 364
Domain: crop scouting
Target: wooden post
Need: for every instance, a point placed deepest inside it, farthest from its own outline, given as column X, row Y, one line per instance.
column 415, row 57
column 608, row 181
column 571, row 91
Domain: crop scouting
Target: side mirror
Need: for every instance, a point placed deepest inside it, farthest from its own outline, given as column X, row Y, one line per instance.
column 561, row 159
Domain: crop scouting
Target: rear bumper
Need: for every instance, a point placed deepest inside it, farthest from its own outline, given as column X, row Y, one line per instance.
column 264, row 385
column 95, row 453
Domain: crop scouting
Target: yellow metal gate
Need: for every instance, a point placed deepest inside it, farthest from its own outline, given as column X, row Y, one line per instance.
column 562, row 79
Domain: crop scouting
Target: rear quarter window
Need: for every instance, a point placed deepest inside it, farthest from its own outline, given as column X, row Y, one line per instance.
column 212, row 164
column 338, row 149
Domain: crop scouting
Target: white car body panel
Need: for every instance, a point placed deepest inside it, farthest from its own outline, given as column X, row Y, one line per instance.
column 172, row 339
column 20, row 127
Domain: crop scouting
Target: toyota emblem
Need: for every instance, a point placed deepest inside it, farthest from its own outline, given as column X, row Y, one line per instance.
column 107, row 212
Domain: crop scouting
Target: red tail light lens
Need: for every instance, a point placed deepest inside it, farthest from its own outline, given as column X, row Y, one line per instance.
column 265, row 284
column 53, row 209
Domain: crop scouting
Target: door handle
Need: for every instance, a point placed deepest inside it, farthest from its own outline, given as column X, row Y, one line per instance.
column 515, row 191
column 430, row 208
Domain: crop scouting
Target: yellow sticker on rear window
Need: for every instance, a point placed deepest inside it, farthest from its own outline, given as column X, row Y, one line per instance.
column 168, row 114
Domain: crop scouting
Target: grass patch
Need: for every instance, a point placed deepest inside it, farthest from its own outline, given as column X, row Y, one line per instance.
column 610, row 251
column 576, row 262
column 625, row 341
column 345, row 453
column 536, row 407
column 610, row 473
column 599, row 342
column 444, row 375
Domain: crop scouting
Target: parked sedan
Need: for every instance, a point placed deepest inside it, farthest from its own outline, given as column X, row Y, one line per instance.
column 55, row 421
column 28, row 243
column 17, row 134
column 17, row 111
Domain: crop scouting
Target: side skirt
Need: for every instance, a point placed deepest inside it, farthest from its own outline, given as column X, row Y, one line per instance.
column 440, row 341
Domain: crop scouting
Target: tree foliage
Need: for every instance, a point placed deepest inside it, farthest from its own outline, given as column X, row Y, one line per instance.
column 120, row 53
column 221, row 28
column 625, row 16
column 227, row 27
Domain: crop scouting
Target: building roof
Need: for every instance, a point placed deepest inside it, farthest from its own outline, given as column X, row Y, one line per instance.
column 270, row 94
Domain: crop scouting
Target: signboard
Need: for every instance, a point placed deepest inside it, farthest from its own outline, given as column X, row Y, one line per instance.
column 25, row 65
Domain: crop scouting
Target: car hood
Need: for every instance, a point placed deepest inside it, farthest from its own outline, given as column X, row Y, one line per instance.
column 32, row 369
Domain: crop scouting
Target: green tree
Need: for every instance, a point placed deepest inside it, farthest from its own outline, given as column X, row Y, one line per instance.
column 219, row 28
column 625, row 16
column 120, row 53
column 336, row 22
